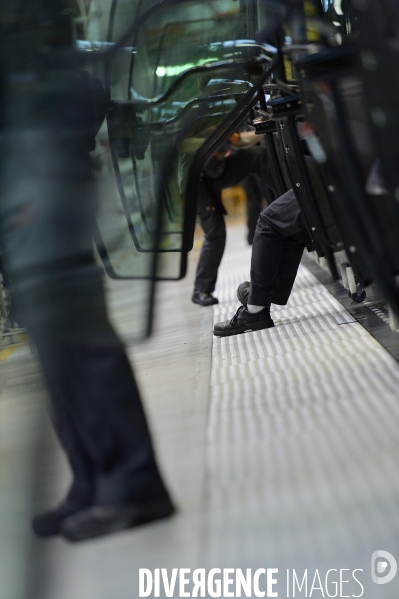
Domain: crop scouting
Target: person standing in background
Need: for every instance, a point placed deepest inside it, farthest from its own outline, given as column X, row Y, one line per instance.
column 241, row 161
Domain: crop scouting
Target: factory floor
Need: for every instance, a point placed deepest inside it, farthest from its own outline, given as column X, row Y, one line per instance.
column 280, row 448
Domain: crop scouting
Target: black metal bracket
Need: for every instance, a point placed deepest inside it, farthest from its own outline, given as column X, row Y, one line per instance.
column 286, row 106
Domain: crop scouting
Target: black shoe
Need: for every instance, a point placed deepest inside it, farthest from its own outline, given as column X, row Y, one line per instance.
column 101, row 520
column 49, row 523
column 243, row 292
column 204, row 299
column 244, row 321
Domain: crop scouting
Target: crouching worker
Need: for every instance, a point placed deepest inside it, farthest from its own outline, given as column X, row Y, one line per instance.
column 280, row 238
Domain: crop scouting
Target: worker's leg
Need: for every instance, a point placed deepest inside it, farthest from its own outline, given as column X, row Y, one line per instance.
column 212, row 222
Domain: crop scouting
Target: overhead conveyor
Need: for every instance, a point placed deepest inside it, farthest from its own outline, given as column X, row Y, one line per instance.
column 330, row 140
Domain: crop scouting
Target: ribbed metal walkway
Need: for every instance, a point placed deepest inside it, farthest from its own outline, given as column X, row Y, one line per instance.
column 303, row 431
column 280, row 447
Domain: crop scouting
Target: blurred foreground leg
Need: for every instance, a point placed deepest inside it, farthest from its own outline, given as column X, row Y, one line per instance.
column 47, row 216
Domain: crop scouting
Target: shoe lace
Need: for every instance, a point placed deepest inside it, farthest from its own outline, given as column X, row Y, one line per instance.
column 236, row 315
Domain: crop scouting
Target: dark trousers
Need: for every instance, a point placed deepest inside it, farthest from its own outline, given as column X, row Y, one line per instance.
column 99, row 419
column 211, row 217
column 274, row 265
column 95, row 403
column 244, row 164
column 46, row 225
column 255, row 193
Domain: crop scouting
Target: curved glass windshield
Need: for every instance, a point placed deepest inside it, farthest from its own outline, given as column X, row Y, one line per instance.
column 187, row 66
column 180, row 73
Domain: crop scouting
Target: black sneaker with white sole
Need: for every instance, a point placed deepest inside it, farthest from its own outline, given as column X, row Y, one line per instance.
column 243, row 321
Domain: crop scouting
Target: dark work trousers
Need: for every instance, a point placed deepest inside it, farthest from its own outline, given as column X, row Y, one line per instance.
column 255, row 193
column 99, row 419
column 211, row 215
column 274, row 264
column 47, row 220
column 239, row 166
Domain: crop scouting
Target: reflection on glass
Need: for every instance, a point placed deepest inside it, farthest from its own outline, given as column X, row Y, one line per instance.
column 184, row 75
column 178, row 76
column 339, row 14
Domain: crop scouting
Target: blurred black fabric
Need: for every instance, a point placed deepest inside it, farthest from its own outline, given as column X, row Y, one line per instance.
column 50, row 115
column 241, row 166
column 280, row 238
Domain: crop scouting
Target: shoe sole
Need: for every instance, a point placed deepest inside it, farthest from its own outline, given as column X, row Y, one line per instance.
column 95, row 528
column 259, row 326
column 48, row 524
column 196, row 301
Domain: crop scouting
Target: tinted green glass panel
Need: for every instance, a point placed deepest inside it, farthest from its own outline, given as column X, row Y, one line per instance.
column 180, row 74
column 184, row 77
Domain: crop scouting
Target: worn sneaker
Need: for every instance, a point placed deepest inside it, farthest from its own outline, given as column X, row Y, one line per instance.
column 243, row 292
column 204, row 299
column 100, row 520
column 244, row 321
column 48, row 524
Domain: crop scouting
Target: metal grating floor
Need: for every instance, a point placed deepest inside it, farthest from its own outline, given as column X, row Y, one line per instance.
column 303, row 428
column 280, row 448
